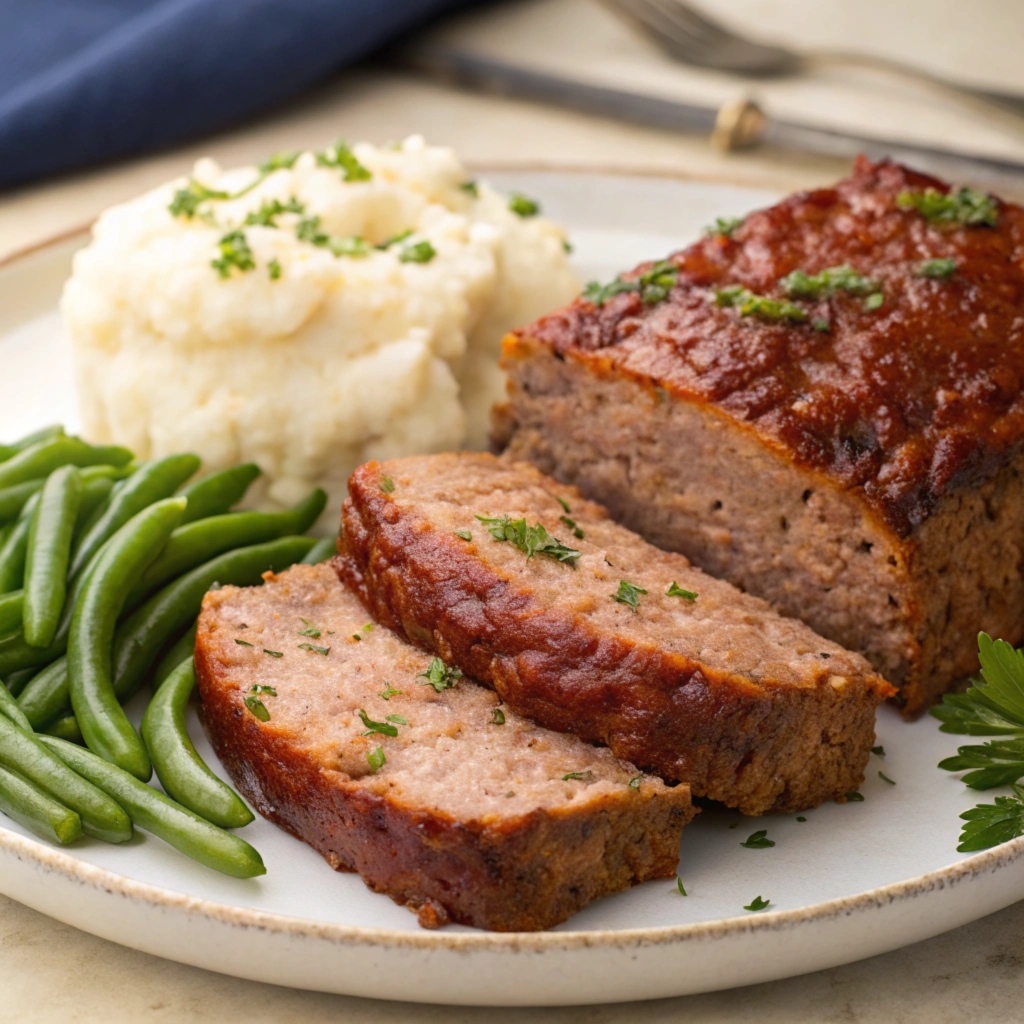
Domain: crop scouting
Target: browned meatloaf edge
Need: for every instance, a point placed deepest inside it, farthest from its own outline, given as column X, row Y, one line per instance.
column 501, row 871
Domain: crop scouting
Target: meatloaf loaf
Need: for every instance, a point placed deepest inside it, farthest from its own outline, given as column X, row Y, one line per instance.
column 584, row 627
column 823, row 405
column 425, row 783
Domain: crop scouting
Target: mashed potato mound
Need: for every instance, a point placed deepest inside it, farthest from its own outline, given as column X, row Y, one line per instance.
column 308, row 314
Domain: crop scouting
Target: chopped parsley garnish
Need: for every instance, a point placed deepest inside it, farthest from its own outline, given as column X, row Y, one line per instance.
column 725, row 226
column 992, row 824
column 464, row 534
column 628, row 593
column 571, row 524
column 885, row 778
column 279, row 161
column 389, row 691
column 308, row 230
column 270, row 209
column 821, row 325
column 567, row 246
column 274, row 654
column 801, row 818
column 677, row 591
column 395, row 239
column 578, row 776
column 679, row 886
column 800, row 285
column 316, row 650
column 757, row 904
column 758, row 840
column 761, row 306
column 386, row 484
column 258, row 708
column 235, row 254
column 470, row 188
column 653, row 285
column 376, row 759
column 498, row 716
column 874, row 301
column 260, row 688
column 274, row 269
column 418, row 252
column 397, row 719
column 371, row 726
column 440, row 676
column 243, row 643
column 531, row 540
column 187, row 200
column 854, row 798
column 964, row 206
column 938, row 268
column 563, row 503
column 880, row 751
column 310, row 630
column 634, row 783
column 340, row 156
column 523, row 206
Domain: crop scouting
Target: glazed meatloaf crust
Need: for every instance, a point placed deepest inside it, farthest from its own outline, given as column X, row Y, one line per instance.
column 847, row 445
column 443, row 798
column 595, row 632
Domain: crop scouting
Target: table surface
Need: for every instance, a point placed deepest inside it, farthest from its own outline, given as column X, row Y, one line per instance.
column 49, row 971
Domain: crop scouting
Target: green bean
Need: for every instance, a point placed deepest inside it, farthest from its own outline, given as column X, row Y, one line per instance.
column 143, row 634
column 95, row 493
column 12, row 499
column 5, row 531
column 23, row 753
column 9, row 707
column 103, row 722
column 46, row 696
column 65, row 728
column 181, row 771
column 198, row 542
column 16, row 680
column 152, row 482
column 9, row 450
column 46, row 456
column 11, row 611
column 12, row 554
column 215, row 493
column 326, row 547
column 49, row 550
column 181, row 649
column 39, row 813
column 162, row 816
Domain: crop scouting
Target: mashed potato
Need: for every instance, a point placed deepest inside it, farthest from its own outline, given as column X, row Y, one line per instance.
column 320, row 310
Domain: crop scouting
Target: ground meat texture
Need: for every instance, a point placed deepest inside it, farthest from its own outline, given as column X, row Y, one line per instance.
column 745, row 706
column 865, row 476
column 469, row 818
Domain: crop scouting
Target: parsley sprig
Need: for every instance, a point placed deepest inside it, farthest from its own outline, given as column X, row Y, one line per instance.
column 965, row 206
column 235, row 254
column 992, row 824
column 187, row 200
column 531, row 540
column 440, row 676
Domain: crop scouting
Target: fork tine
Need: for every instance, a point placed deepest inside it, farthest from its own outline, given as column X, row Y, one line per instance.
column 702, row 30
column 662, row 27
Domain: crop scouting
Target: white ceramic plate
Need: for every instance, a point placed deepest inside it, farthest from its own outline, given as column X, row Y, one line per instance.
column 849, row 882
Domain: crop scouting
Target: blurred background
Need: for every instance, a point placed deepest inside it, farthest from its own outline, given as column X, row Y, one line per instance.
column 101, row 100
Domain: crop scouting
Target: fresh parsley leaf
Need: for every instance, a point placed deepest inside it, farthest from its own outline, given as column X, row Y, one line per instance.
column 937, row 268
column 874, row 301
column 308, row 230
column 270, row 209
column 634, row 783
column 235, row 254
column 725, row 226
column 470, row 188
column 340, row 156
column 628, row 593
column 531, row 540
column 310, row 630
column 994, row 703
column 758, row 840
column 260, row 688
column 964, row 206
column 653, row 285
column 371, row 726
column 463, row 535
column 386, row 484
column 523, row 206
column 279, row 161
column 880, row 751
column 187, row 200
column 757, row 904
column 376, row 759
column 258, row 708
column 821, row 325
column 679, row 886
column 677, row 591
column 316, row 650
column 498, row 716
column 599, row 294
column 992, row 824
column 800, row 285
column 571, row 524
column 885, row 778
column 243, row 643
column 855, row 798
column 440, row 676
column 760, row 306
column 564, row 504
column 397, row 719
column 389, row 691
column 274, row 654
column 418, row 252
column 579, row 776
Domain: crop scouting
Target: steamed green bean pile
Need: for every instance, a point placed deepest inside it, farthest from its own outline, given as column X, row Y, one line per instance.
column 104, row 562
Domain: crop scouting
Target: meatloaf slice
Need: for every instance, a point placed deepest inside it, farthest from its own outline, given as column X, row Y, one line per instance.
column 824, row 406
column 443, row 798
column 595, row 632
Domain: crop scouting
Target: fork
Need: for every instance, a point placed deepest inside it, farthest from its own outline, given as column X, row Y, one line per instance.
column 693, row 38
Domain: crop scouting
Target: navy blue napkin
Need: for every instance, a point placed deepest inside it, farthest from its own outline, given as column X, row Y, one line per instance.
column 83, row 81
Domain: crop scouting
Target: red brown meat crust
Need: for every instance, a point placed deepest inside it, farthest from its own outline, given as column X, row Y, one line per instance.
column 305, row 769
column 755, row 745
column 902, row 404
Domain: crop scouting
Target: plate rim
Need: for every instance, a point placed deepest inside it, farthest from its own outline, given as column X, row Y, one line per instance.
column 82, row 872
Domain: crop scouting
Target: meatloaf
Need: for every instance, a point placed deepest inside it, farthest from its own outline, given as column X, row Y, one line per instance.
column 389, row 764
column 823, row 405
column 584, row 627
